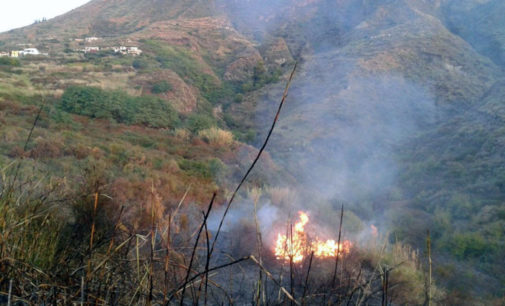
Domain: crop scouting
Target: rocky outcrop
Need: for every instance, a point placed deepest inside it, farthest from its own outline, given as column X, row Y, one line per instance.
column 243, row 68
column 276, row 52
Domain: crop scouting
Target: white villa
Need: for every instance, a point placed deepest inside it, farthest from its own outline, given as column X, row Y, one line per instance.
column 92, row 39
column 91, row 49
column 30, row 51
column 127, row 50
column 134, row 51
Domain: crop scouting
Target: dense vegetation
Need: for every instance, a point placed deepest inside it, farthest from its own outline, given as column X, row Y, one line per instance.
column 87, row 247
column 8, row 61
column 97, row 103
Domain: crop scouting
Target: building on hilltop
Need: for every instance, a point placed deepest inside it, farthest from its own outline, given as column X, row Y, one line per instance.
column 134, row 51
column 14, row 53
column 4, row 54
column 91, row 49
column 127, row 50
column 121, row 49
column 29, row 51
column 92, row 39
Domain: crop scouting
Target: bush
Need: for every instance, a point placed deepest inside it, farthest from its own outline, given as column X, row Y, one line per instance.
column 216, row 136
column 47, row 149
column 212, row 168
column 198, row 122
column 180, row 60
column 196, row 168
column 182, row 134
column 185, row 64
column 154, row 112
column 216, row 167
column 9, row 61
column 469, row 245
column 97, row 103
column 140, row 63
column 161, row 87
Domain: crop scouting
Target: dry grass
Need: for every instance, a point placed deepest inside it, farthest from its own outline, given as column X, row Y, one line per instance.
column 101, row 252
column 182, row 134
column 216, row 136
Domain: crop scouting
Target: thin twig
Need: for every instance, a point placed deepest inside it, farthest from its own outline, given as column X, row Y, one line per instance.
column 185, row 284
column 269, row 275
column 291, row 263
column 428, row 246
column 259, row 245
column 25, row 147
column 82, row 291
column 305, row 287
column 167, row 257
column 338, row 248
column 204, row 222
column 260, row 152
column 153, row 242
column 207, row 262
column 9, row 296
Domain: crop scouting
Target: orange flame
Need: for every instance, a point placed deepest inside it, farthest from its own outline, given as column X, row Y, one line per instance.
column 296, row 245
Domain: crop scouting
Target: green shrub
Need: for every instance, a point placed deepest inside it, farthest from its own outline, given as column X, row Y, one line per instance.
column 196, row 168
column 161, row 87
column 218, row 94
column 174, row 58
column 469, row 245
column 260, row 74
column 213, row 168
column 216, row 167
column 182, row 62
column 198, row 122
column 141, row 63
column 238, row 98
column 9, row 61
column 246, row 135
column 154, row 112
column 97, row 103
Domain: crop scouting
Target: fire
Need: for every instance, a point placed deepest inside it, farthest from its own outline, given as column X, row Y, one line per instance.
column 297, row 245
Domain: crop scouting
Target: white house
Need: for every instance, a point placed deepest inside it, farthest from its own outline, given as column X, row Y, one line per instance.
column 134, row 51
column 127, row 50
column 30, row 51
column 4, row 54
column 121, row 49
column 91, row 49
column 92, row 39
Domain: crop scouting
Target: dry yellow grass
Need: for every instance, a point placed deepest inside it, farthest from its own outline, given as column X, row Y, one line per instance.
column 216, row 136
column 182, row 134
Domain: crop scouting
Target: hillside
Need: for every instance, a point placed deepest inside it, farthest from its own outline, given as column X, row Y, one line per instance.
column 401, row 118
column 396, row 110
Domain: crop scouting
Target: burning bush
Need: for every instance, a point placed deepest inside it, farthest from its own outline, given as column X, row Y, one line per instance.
column 297, row 244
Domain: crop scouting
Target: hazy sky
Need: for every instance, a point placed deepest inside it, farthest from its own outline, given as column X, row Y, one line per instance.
column 19, row 13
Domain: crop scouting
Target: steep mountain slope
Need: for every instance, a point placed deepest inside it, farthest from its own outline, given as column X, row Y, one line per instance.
column 480, row 23
column 191, row 67
column 394, row 109
column 398, row 51
column 112, row 18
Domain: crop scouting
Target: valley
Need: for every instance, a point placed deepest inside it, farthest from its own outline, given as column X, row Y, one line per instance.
column 395, row 113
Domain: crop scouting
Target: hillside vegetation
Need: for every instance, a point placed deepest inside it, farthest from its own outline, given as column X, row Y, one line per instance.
column 396, row 110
